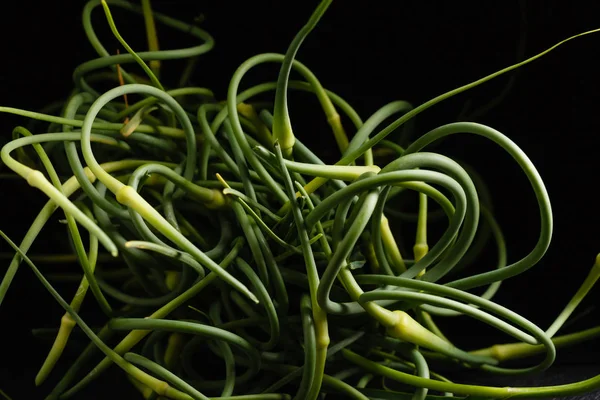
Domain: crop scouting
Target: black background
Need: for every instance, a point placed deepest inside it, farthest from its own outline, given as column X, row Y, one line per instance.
column 370, row 53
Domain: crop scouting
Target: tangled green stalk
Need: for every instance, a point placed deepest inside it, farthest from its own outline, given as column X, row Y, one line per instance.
column 177, row 184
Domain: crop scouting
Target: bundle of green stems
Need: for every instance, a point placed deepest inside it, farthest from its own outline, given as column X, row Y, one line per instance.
column 230, row 262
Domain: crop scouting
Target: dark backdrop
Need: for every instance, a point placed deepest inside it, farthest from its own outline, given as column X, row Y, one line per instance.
column 370, row 55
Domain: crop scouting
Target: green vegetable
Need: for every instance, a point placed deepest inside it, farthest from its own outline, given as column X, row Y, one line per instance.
column 203, row 205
